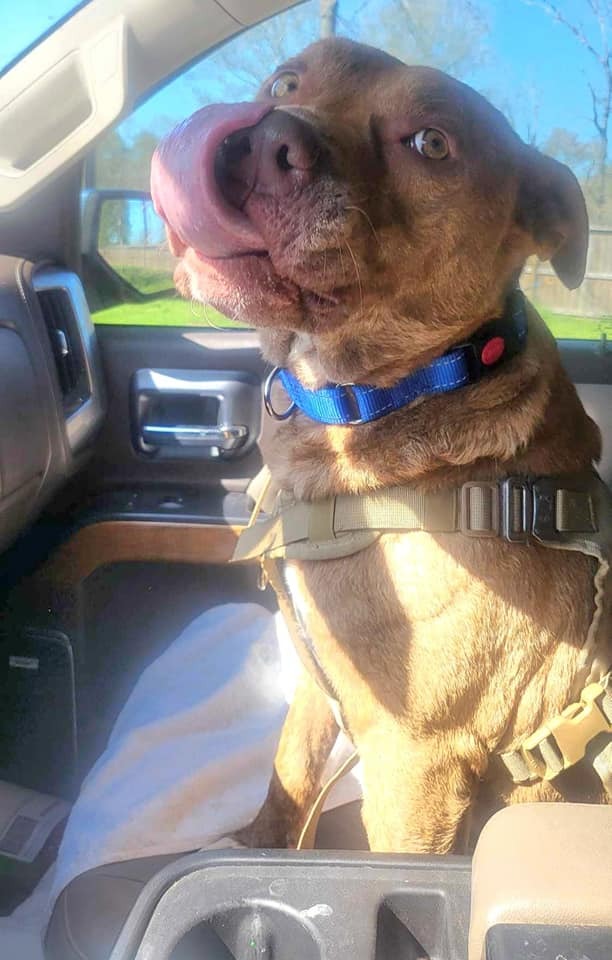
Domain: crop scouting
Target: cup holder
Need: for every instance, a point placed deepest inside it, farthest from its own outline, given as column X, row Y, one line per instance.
column 259, row 931
column 412, row 926
column 279, row 905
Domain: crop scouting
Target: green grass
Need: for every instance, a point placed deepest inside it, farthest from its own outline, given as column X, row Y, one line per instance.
column 576, row 328
column 164, row 313
column 179, row 313
column 147, row 280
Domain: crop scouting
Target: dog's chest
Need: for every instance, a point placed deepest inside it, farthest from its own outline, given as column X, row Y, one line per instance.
column 443, row 614
column 402, row 580
column 367, row 617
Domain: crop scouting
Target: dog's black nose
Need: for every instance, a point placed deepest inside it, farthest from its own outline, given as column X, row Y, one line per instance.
column 275, row 156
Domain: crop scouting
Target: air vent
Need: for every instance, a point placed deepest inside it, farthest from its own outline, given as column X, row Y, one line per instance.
column 67, row 347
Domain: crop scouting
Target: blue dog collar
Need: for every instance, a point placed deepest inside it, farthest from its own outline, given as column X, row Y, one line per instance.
column 345, row 404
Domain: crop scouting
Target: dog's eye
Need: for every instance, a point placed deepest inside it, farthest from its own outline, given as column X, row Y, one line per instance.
column 286, row 83
column 430, row 143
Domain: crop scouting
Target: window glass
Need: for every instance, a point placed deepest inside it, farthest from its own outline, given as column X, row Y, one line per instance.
column 27, row 23
column 543, row 64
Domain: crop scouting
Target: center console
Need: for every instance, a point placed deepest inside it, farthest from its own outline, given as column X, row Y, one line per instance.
column 539, row 887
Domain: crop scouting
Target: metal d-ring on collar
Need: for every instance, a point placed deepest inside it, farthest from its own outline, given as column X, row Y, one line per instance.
column 267, row 395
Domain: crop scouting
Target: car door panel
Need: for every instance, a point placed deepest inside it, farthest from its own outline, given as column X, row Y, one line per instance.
column 135, row 548
column 233, row 356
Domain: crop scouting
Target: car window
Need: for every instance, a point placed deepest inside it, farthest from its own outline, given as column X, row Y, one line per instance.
column 545, row 65
column 29, row 22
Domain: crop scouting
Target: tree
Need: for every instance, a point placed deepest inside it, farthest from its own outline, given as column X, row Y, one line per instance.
column 600, row 14
column 236, row 70
column 448, row 34
column 600, row 214
column 127, row 166
column 521, row 108
column 109, row 161
column 124, row 163
column 114, row 223
column 329, row 10
column 582, row 156
column 564, row 145
column 138, row 172
column 108, row 172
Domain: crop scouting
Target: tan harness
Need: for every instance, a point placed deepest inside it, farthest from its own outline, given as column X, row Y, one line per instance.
column 564, row 513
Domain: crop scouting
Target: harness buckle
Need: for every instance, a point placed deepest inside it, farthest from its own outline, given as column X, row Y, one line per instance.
column 479, row 513
column 263, row 578
column 545, row 511
column 562, row 742
column 516, row 509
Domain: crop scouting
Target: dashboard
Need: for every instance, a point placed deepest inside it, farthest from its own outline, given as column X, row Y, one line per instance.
column 51, row 387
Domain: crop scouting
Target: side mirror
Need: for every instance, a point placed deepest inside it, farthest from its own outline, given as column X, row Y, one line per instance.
column 122, row 235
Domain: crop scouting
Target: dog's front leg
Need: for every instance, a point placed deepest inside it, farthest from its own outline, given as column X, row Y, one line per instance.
column 309, row 733
column 417, row 795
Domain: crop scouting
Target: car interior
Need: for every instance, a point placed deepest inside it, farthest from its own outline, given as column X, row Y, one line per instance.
column 127, row 446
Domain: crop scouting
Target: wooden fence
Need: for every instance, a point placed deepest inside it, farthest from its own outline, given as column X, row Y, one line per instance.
column 146, row 257
column 592, row 299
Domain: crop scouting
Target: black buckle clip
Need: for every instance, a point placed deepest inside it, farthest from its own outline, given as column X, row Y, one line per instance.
column 516, row 505
column 544, row 523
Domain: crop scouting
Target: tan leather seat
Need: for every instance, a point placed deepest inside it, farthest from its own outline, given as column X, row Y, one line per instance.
column 544, row 863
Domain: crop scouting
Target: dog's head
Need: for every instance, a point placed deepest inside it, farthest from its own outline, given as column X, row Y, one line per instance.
column 383, row 210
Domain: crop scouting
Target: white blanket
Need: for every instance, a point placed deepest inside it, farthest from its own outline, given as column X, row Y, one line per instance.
column 188, row 761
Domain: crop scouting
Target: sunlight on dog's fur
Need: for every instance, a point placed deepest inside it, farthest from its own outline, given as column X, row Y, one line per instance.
column 367, row 259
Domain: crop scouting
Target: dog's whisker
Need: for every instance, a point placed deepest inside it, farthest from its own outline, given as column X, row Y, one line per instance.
column 292, row 267
column 357, row 271
column 211, row 322
column 339, row 248
column 202, row 315
column 367, row 219
column 199, row 316
column 297, row 260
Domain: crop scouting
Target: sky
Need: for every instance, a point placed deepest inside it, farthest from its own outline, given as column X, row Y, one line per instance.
column 533, row 67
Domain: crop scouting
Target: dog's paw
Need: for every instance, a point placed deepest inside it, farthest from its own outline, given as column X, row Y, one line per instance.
column 263, row 835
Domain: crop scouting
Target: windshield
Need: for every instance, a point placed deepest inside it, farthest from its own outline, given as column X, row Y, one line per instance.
column 28, row 22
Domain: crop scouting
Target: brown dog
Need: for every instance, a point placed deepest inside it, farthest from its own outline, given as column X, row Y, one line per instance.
column 378, row 215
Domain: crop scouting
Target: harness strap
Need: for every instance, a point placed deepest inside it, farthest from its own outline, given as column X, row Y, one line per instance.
column 561, row 512
column 595, row 540
column 309, row 831
column 263, row 492
column 577, row 731
column 272, row 573
column 567, row 513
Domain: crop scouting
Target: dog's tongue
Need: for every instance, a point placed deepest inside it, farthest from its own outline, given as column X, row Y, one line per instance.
column 184, row 187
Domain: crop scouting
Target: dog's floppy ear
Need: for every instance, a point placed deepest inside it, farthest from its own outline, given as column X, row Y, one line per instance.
column 551, row 208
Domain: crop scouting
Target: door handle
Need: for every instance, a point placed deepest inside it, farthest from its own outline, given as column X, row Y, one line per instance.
column 217, row 439
column 194, row 414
